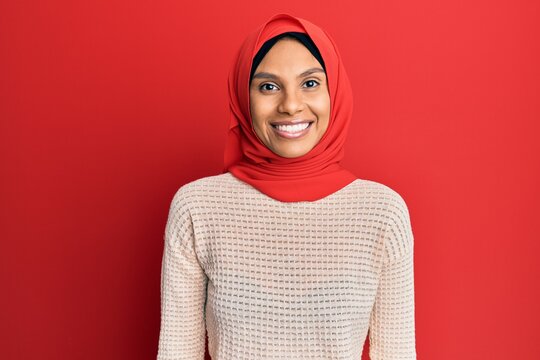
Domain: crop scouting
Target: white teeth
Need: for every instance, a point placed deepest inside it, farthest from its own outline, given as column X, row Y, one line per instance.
column 292, row 128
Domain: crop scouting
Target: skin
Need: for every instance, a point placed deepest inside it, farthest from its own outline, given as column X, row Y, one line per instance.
column 288, row 97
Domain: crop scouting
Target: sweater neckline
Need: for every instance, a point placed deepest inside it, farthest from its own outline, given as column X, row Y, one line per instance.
column 325, row 199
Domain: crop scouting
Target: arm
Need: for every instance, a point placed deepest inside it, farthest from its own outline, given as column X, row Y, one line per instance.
column 392, row 322
column 183, row 290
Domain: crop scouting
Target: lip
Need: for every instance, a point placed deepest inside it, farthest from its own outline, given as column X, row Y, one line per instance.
column 296, row 135
column 290, row 122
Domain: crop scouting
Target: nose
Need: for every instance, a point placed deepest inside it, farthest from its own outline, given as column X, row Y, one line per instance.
column 291, row 102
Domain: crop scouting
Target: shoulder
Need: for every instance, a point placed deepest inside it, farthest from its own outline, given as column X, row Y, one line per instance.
column 202, row 186
column 199, row 191
column 382, row 196
column 390, row 209
column 395, row 218
column 189, row 197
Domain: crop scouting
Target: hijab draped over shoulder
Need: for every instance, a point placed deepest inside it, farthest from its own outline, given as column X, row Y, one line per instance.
column 313, row 175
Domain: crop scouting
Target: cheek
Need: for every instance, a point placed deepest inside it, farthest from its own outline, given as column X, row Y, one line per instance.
column 261, row 109
column 253, row 108
column 322, row 107
column 256, row 116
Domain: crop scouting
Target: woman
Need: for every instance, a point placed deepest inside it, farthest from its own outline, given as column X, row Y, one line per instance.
column 287, row 254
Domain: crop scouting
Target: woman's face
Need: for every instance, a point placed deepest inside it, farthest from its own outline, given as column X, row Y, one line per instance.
column 289, row 87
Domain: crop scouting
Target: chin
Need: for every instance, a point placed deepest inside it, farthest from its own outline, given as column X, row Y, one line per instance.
column 293, row 154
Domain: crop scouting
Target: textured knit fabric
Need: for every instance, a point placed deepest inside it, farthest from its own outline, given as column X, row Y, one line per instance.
column 286, row 280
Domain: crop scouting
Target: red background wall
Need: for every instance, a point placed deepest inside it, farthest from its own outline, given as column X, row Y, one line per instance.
column 108, row 107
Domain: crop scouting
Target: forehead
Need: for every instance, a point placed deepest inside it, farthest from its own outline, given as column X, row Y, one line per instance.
column 288, row 54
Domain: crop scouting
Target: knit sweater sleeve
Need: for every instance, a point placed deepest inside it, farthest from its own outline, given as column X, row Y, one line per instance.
column 183, row 289
column 392, row 321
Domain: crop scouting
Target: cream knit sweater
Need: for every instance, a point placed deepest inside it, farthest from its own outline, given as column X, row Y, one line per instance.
column 275, row 280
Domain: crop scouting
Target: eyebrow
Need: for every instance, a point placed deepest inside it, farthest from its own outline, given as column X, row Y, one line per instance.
column 265, row 75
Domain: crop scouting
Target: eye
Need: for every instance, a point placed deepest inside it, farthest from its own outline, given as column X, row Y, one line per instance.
column 266, row 86
column 312, row 82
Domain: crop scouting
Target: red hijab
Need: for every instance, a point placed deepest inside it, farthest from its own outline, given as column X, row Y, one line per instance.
column 313, row 175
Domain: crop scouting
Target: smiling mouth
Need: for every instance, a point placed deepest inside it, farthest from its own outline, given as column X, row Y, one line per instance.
column 292, row 131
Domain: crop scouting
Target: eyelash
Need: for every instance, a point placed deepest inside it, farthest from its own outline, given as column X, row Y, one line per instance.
column 311, row 87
